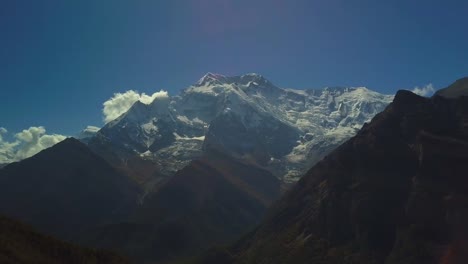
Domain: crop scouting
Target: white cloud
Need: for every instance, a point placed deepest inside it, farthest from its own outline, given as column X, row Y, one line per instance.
column 121, row 102
column 26, row 144
column 6, row 148
column 91, row 129
column 427, row 90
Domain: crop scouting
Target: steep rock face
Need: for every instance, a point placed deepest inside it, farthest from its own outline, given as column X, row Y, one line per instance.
column 66, row 189
column 147, row 173
column 212, row 201
column 284, row 130
column 394, row 193
column 261, row 142
column 436, row 210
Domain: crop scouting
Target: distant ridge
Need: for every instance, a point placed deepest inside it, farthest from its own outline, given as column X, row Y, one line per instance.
column 457, row 89
column 65, row 189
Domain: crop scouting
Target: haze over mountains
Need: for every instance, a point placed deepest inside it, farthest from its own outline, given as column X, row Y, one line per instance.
column 172, row 177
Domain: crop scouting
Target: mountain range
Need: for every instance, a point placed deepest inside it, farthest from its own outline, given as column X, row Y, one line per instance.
column 172, row 178
column 394, row 193
column 285, row 131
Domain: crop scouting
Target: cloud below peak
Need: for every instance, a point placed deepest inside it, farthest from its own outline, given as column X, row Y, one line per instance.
column 427, row 90
column 121, row 102
column 26, row 144
column 91, row 129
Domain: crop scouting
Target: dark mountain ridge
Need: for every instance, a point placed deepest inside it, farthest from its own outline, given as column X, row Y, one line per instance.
column 457, row 89
column 66, row 189
column 212, row 201
column 74, row 194
column 394, row 193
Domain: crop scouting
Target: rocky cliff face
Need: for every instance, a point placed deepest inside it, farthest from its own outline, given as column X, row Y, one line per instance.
column 394, row 193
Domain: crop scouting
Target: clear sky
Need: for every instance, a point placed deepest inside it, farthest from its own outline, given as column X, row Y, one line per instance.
column 60, row 60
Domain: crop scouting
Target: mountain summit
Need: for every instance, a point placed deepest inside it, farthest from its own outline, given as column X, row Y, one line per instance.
column 211, row 78
column 394, row 193
column 247, row 117
column 458, row 88
column 66, row 189
column 219, row 79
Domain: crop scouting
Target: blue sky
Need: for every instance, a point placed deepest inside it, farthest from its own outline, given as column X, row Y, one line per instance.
column 60, row 60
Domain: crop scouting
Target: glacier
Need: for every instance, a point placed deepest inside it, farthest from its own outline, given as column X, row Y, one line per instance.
column 283, row 130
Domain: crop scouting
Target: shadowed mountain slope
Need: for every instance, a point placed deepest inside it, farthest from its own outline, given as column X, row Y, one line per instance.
column 458, row 88
column 214, row 200
column 20, row 244
column 394, row 193
column 66, row 189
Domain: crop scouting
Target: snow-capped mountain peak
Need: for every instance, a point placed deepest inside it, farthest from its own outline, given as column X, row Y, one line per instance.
column 214, row 79
column 210, row 79
column 249, row 117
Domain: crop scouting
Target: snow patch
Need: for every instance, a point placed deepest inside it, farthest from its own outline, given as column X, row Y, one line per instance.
column 178, row 137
